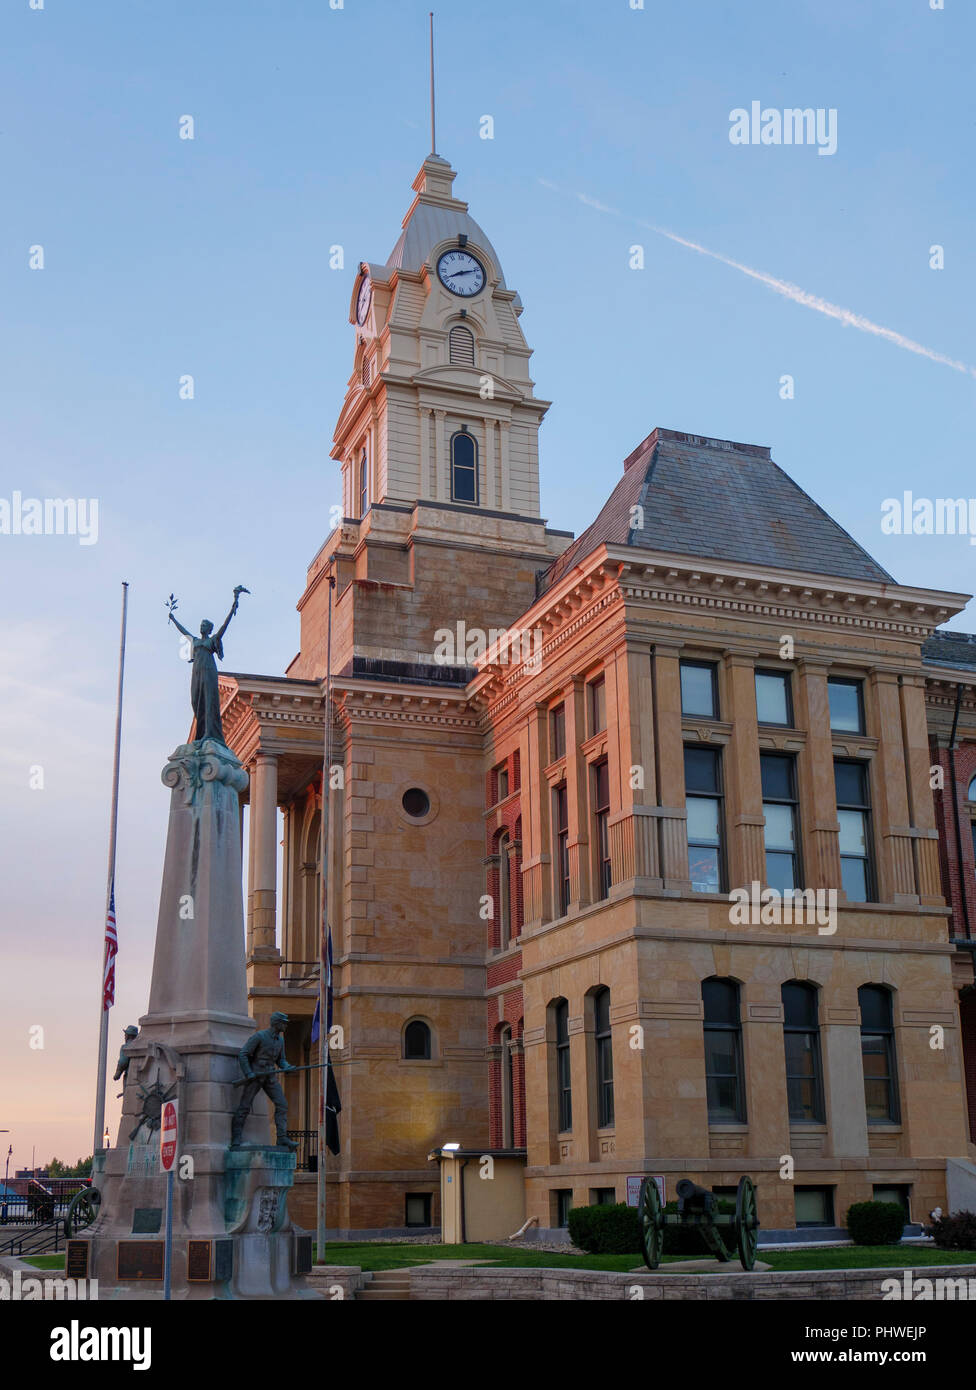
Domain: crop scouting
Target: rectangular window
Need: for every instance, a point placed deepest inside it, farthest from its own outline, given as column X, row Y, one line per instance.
column 598, row 706
column 899, row 1193
column 561, row 819
column 781, row 810
column 801, row 1035
column 564, row 1084
column 774, row 704
column 854, row 815
column 564, row 1205
column 501, row 776
column 703, row 799
column 878, row 1055
column 723, row 1052
column 603, row 1196
column 604, row 1060
column 418, row 1209
column 699, row 690
column 601, row 806
column 557, row 733
column 814, row 1206
column 846, row 705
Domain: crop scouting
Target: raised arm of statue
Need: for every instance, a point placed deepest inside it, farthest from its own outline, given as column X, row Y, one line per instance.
column 180, row 627
column 234, row 606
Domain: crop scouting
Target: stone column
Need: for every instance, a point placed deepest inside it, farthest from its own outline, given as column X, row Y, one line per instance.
column 767, row 1109
column 441, row 462
column 921, row 804
column 428, row 483
column 821, row 828
column 840, row 1036
column 669, row 759
column 634, row 826
column 491, row 491
column 576, row 798
column 264, row 827
column 747, row 858
column 506, row 471
column 891, row 812
column 536, row 832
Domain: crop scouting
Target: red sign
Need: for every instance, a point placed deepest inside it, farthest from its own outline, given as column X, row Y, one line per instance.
column 168, row 1135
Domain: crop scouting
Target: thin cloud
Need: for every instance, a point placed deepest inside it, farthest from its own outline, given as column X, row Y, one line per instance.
column 793, row 292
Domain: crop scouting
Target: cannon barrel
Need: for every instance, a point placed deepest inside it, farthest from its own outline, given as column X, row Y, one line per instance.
column 686, row 1188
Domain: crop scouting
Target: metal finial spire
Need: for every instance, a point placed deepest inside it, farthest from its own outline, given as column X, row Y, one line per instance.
column 433, row 142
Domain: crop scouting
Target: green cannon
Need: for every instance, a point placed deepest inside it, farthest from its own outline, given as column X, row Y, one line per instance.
column 698, row 1208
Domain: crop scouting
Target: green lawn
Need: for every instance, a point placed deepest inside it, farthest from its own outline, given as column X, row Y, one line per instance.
column 374, row 1256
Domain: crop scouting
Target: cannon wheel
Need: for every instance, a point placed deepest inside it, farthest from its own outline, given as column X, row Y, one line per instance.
column 82, row 1211
column 651, row 1216
column 747, row 1221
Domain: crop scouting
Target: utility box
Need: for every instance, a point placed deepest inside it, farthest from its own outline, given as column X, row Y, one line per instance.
column 482, row 1193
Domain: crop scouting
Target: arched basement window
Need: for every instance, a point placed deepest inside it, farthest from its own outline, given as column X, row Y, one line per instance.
column 464, row 467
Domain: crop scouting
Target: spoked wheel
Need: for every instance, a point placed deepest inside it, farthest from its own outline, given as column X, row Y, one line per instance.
column 651, row 1216
column 747, row 1221
column 82, row 1211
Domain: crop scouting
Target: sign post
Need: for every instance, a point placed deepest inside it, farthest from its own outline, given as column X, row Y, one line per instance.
column 168, row 1139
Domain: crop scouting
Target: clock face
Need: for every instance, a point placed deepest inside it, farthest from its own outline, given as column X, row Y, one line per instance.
column 461, row 273
column 364, row 299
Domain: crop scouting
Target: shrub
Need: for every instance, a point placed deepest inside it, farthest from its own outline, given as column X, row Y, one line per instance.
column 605, row 1230
column 875, row 1223
column 955, row 1232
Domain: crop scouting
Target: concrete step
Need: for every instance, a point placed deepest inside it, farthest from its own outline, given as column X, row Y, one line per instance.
column 386, row 1285
column 383, row 1296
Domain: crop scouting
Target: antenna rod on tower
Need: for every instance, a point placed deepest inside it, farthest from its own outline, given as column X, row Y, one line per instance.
column 433, row 142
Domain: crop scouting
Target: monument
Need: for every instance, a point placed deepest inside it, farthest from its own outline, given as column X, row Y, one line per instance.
column 232, row 1235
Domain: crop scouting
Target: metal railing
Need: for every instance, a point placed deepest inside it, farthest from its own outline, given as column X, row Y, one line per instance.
column 306, row 1154
column 38, row 1241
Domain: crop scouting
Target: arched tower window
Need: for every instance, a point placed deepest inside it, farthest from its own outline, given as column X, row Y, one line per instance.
column 461, row 346
column 971, row 793
column 363, row 483
column 416, row 1041
column 464, row 467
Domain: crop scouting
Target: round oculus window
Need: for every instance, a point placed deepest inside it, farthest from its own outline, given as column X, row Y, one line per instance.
column 416, row 802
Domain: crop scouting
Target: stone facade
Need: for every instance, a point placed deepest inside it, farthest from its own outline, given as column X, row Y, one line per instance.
column 481, row 869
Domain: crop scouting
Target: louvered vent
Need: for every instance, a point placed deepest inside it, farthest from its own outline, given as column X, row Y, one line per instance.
column 367, row 370
column 462, row 346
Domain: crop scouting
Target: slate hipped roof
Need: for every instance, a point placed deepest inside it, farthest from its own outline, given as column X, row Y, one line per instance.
column 950, row 649
column 718, row 500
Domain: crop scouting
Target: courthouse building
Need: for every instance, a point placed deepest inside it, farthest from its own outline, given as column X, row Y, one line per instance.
column 556, row 759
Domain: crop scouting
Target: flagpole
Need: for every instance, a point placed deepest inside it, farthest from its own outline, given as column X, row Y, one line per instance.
column 320, row 1224
column 112, row 833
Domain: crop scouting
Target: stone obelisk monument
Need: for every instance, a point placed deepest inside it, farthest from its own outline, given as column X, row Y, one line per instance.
column 232, row 1236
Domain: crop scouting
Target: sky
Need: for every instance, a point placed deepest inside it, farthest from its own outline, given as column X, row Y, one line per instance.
column 670, row 277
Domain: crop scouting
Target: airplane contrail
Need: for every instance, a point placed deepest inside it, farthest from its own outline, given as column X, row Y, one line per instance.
column 795, row 293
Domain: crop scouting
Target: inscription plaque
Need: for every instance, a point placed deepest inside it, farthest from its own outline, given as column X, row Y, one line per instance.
column 140, row 1259
column 198, row 1253
column 146, row 1221
column 303, row 1254
column 76, row 1259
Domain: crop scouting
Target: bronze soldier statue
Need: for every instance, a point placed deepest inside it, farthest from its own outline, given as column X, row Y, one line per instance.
column 124, row 1059
column 261, row 1057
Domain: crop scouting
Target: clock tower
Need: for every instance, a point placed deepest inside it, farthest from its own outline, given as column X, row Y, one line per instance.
column 438, row 445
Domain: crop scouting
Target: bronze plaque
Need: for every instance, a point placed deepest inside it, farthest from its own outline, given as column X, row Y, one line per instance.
column 140, row 1259
column 198, row 1261
column 76, row 1259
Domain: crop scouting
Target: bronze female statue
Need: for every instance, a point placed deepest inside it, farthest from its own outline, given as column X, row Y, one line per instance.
column 204, row 691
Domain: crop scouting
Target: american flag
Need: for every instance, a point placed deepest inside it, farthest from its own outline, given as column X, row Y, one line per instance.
column 111, row 951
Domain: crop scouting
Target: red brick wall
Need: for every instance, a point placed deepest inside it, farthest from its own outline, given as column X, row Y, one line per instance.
column 505, row 971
